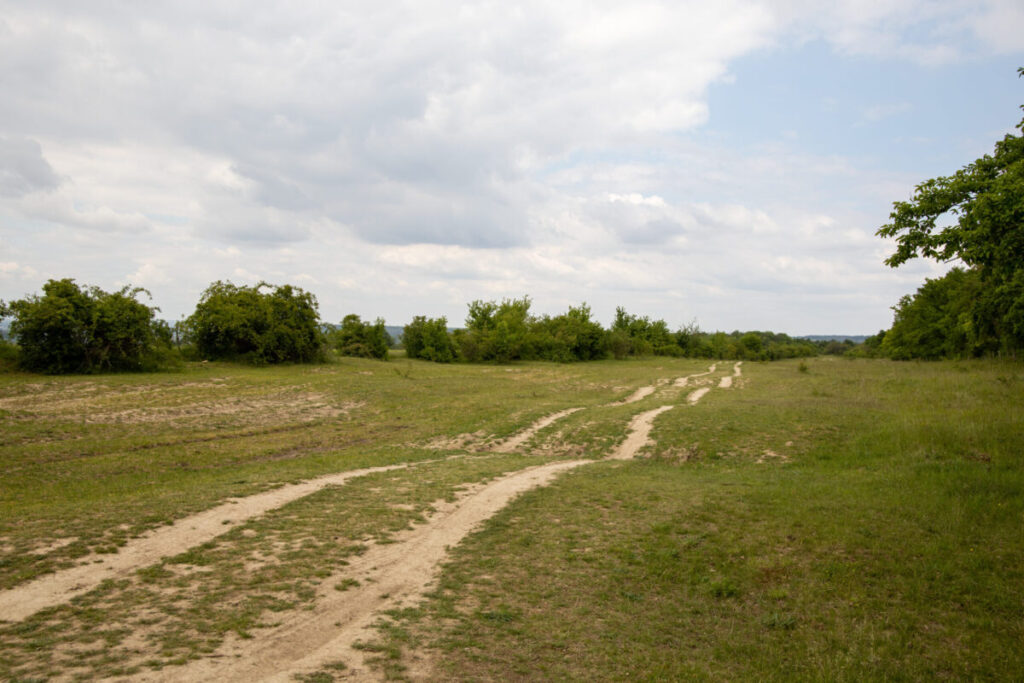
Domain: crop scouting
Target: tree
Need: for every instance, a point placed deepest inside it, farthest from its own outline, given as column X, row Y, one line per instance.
column 986, row 199
column 74, row 330
column 244, row 323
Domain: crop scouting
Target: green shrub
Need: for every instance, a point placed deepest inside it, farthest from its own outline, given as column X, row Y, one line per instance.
column 74, row 330
column 428, row 339
column 361, row 339
column 245, row 323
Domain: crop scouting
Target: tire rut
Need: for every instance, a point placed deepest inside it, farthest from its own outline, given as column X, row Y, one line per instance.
column 390, row 575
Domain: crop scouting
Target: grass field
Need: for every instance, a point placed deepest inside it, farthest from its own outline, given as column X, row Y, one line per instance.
column 822, row 519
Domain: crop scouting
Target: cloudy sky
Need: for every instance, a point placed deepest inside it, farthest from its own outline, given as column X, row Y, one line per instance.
column 721, row 162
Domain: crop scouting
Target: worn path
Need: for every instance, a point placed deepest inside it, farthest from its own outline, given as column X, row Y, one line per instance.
column 389, row 575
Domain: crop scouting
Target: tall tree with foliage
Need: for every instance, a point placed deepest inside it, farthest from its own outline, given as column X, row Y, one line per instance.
column 245, row 323
column 986, row 201
column 70, row 329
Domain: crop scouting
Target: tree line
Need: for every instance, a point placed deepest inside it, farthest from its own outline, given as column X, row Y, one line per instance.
column 74, row 329
column 506, row 331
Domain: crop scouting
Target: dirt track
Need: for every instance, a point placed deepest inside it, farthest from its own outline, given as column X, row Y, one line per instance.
column 60, row 587
column 389, row 575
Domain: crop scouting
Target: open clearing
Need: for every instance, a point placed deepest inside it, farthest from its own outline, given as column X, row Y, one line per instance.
column 638, row 519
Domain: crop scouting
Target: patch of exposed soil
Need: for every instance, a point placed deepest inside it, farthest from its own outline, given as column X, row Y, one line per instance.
column 683, row 381
column 638, row 395
column 771, row 455
column 86, row 403
column 697, row 395
column 461, row 442
column 306, row 407
column 639, row 434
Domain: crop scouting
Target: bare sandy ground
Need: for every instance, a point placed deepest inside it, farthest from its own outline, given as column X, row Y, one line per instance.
column 638, row 395
column 683, row 381
column 697, row 395
column 726, row 381
column 639, row 434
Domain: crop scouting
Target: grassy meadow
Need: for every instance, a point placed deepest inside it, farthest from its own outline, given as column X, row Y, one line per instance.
column 825, row 519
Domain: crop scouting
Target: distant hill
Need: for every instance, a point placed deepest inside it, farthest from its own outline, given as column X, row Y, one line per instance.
column 855, row 338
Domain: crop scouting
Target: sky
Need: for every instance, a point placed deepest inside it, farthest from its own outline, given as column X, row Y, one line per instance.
column 721, row 163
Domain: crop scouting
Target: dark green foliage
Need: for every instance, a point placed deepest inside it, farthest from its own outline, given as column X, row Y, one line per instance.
column 247, row 324
column 936, row 321
column 504, row 332
column 642, row 335
column 361, row 339
column 428, row 339
column 571, row 336
column 986, row 198
column 497, row 332
column 74, row 330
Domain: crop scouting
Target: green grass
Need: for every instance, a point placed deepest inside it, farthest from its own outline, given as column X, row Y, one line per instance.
column 94, row 461
column 886, row 541
column 823, row 519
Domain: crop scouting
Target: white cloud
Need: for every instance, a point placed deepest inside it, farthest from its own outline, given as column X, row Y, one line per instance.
column 413, row 156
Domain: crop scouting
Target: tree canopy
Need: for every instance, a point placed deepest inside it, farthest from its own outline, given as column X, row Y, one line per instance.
column 245, row 323
column 71, row 329
column 983, row 208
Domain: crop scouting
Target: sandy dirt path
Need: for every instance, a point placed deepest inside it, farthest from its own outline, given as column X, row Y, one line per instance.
column 697, row 395
column 726, row 381
column 683, row 381
column 62, row 586
column 638, row 395
column 515, row 441
column 390, row 575
column 639, row 434
column 54, row 589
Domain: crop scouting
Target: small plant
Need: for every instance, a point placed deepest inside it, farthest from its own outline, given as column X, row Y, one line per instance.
column 777, row 620
column 803, row 367
column 724, row 588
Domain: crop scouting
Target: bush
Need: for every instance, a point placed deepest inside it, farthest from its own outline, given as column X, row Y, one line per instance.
column 361, row 339
column 428, row 339
column 73, row 330
column 244, row 323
